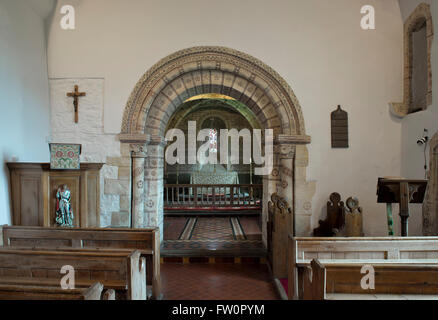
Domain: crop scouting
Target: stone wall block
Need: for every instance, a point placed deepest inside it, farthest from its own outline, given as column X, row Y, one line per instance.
column 119, row 187
column 121, row 219
column 124, row 173
column 119, row 161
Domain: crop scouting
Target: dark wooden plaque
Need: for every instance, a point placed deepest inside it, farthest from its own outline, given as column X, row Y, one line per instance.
column 339, row 120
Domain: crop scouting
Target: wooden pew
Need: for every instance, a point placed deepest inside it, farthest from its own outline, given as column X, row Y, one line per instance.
column 303, row 249
column 325, row 277
column 40, row 292
column 106, row 294
column 120, row 270
column 312, row 281
column 145, row 240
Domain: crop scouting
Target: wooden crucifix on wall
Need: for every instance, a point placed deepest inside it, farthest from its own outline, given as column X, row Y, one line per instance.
column 76, row 94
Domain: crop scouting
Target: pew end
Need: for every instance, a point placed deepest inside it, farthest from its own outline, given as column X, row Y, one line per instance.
column 314, row 281
column 109, row 294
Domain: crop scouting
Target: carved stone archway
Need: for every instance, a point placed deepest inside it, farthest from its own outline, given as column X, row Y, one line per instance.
column 204, row 70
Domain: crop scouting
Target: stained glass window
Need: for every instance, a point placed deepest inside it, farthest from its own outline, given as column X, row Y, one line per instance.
column 212, row 138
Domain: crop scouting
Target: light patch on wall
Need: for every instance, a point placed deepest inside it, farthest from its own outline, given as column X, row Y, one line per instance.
column 210, row 96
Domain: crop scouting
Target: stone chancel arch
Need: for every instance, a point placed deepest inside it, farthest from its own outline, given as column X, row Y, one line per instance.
column 206, row 70
column 221, row 70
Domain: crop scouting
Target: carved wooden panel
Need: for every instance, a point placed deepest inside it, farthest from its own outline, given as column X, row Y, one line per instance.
column 93, row 196
column 33, row 190
column 29, row 207
column 279, row 226
column 339, row 123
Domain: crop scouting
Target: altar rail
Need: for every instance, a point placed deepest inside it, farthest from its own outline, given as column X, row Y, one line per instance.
column 213, row 196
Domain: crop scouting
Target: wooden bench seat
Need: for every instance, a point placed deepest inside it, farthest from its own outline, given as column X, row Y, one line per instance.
column 420, row 250
column 327, row 277
column 41, row 292
column 121, row 270
column 118, row 285
column 145, row 240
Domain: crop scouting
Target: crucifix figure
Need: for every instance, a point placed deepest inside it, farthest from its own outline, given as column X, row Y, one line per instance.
column 76, row 94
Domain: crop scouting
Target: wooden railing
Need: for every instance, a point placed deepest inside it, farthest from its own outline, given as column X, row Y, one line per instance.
column 213, row 196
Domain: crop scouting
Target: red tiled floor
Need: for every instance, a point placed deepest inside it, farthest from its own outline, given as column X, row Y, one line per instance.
column 213, row 228
column 173, row 227
column 217, row 282
column 251, row 228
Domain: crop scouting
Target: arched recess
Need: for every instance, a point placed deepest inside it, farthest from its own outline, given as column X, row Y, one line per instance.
column 206, row 70
column 420, row 16
column 194, row 105
column 430, row 206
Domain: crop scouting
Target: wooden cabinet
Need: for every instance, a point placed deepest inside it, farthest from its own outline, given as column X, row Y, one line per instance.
column 33, row 193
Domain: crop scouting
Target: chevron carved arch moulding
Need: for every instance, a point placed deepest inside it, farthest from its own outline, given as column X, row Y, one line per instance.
column 200, row 70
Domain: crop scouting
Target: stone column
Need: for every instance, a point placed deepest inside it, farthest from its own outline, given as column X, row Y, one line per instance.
column 135, row 144
column 287, row 157
column 285, row 153
column 138, row 154
column 294, row 187
column 153, row 208
column 271, row 184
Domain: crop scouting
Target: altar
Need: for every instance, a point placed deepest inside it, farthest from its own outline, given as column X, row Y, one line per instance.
column 214, row 174
column 34, row 187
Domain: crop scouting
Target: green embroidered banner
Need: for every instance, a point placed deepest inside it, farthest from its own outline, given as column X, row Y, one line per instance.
column 64, row 156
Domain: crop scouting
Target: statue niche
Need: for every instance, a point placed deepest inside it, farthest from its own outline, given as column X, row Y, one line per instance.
column 64, row 212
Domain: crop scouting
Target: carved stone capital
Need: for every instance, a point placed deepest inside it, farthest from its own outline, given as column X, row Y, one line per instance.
column 138, row 150
column 285, row 151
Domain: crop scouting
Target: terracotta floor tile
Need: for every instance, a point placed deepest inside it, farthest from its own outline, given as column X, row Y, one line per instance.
column 217, row 282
